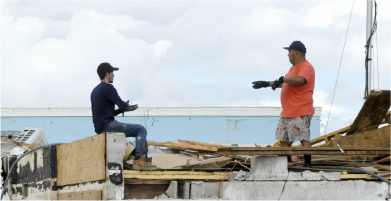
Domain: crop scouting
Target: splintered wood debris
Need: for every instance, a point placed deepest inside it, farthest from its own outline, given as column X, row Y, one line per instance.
column 364, row 144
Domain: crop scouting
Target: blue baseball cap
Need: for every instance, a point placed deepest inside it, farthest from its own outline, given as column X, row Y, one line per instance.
column 297, row 45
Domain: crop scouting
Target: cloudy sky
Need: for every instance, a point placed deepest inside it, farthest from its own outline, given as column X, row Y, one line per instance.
column 187, row 53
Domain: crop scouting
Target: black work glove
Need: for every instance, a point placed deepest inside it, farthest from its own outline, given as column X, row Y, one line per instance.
column 130, row 107
column 278, row 82
column 260, row 84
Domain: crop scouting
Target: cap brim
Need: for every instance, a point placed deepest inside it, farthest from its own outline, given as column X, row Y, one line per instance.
column 114, row 69
column 287, row 48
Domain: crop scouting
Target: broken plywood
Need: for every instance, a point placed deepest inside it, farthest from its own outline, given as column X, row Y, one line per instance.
column 372, row 112
column 167, row 161
column 327, row 137
column 81, row 161
column 373, row 138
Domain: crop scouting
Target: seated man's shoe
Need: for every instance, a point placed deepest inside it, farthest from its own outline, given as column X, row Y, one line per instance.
column 143, row 163
column 127, row 166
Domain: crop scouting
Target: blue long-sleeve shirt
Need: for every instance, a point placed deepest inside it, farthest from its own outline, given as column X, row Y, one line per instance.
column 103, row 99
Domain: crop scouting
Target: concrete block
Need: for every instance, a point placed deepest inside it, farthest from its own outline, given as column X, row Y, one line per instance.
column 184, row 191
column 292, row 176
column 172, row 191
column 269, row 167
column 243, row 176
column 115, row 150
column 197, row 190
column 211, row 190
column 232, row 176
column 314, row 176
column 305, row 190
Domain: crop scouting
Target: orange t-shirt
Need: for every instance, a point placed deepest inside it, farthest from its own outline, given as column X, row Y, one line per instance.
column 296, row 100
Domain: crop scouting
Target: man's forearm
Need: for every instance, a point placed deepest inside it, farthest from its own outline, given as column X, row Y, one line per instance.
column 272, row 83
column 296, row 80
column 118, row 111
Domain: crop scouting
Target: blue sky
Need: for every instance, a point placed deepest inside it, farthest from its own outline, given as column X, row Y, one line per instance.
column 187, row 53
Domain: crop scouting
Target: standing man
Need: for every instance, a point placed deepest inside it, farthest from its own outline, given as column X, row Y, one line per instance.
column 296, row 99
column 103, row 99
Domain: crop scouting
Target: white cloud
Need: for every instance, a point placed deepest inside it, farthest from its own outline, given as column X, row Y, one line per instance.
column 326, row 12
column 266, row 21
column 161, row 48
column 185, row 53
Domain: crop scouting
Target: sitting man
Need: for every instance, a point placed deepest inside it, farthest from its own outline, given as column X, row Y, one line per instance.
column 103, row 98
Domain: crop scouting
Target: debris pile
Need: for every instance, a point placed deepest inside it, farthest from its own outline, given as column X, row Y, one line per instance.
column 364, row 145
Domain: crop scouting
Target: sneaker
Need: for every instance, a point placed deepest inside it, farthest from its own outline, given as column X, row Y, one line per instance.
column 126, row 166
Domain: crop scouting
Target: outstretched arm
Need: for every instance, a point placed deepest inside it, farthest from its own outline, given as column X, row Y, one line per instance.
column 296, row 80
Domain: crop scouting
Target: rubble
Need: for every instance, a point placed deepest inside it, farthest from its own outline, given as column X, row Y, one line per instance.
column 92, row 168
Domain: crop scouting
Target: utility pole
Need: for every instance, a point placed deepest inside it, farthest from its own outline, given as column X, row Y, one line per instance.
column 369, row 48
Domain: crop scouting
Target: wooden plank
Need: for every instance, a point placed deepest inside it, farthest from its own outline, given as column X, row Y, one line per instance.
column 81, row 195
column 373, row 138
column 181, row 146
column 81, row 161
column 314, row 152
column 209, row 163
column 232, row 152
column 202, row 144
column 372, row 112
column 174, row 175
column 149, row 181
column 325, row 156
column 360, row 176
column 328, row 136
column 350, row 164
column 342, row 131
column 383, row 160
column 20, row 143
column 303, row 148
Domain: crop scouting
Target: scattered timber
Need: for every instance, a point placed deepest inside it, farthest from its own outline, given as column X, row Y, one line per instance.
column 182, row 146
column 209, row 163
column 327, row 137
column 372, row 112
column 233, row 151
column 202, row 144
column 173, row 175
column 20, row 143
column 383, row 160
column 361, row 176
column 351, row 164
column 373, row 138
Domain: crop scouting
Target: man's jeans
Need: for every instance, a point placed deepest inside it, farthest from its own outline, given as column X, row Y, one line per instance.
column 132, row 130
